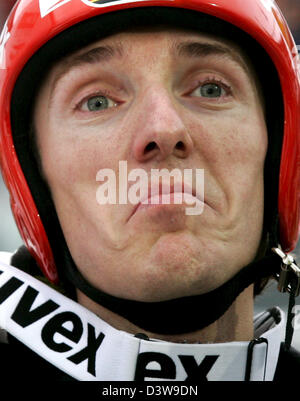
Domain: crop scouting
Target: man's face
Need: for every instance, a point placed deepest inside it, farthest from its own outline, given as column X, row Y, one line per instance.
column 163, row 99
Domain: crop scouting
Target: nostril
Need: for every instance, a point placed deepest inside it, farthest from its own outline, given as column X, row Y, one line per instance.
column 149, row 147
column 180, row 145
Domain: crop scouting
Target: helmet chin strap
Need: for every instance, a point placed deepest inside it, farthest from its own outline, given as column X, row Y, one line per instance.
column 182, row 315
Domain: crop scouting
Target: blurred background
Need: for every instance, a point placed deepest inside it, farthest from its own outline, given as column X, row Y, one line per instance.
column 10, row 239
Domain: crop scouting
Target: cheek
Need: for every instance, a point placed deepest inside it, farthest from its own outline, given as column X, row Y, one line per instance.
column 71, row 159
column 232, row 151
column 232, row 142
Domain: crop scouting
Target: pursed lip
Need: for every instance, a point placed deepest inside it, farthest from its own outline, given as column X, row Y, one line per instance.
column 157, row 195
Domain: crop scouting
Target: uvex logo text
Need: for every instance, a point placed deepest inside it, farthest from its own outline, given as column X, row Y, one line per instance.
column 67, row 324
column 82, row 345
column 167, row 367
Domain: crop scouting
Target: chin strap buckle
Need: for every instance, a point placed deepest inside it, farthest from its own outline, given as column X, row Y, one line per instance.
column 289, row 275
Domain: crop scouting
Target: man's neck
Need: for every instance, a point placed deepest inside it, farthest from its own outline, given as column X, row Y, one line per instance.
column 235, row 325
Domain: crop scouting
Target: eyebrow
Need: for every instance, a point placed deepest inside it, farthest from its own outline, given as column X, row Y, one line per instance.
column 105, row 53
column 96, row 55
column 201, row 49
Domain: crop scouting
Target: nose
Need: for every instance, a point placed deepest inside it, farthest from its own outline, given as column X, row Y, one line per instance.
column 160, row 131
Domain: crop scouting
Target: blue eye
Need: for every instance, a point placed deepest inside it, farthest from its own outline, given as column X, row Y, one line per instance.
column 211, row 90
column 97, row 103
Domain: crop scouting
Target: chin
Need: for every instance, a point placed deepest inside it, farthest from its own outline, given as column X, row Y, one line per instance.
column 178, row 268
column 171, row 280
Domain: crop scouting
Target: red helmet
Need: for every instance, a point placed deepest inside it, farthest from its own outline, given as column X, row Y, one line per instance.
column 34, row 23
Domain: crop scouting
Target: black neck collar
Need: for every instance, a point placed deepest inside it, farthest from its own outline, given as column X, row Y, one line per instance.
column 177, row 316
